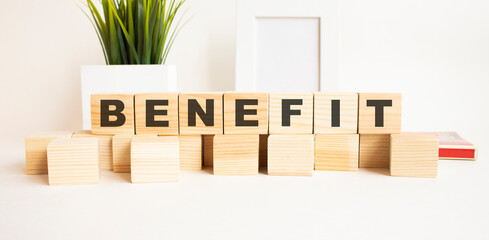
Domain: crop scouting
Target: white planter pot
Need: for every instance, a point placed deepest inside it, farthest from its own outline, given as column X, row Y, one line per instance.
column 124, row 79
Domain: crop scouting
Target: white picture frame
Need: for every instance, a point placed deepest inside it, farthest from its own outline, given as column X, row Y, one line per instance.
column 249, row 10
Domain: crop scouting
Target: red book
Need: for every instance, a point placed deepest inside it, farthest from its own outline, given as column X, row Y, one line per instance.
column 452, row 146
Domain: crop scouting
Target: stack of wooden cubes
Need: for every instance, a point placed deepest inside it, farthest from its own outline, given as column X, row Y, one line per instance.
column 154, row 136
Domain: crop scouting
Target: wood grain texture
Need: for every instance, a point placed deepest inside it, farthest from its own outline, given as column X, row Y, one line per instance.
column 263, row 151
column 121, row 153
column 105, row 147
column 127, row 128
column 200, row 127
column 374, row 150
column 207, row 148
column 155, row 159
column 73, row 161
column 348, row 110
column 190, row 152
column 299, row 124
column 291, row 155
column 236, row 154
column 392, row 115
column 336, row 152
column 261, row 115
column 36, row 145
column 171, row 115
column 414, row 155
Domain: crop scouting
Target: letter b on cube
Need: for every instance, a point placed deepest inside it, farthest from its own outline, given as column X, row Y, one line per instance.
column 112, row 113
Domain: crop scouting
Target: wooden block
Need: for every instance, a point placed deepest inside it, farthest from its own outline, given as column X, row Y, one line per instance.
column 105, row 147
column 156, row 113
column 112, row 113
column 374, row 150
column 200, row 113
column 155, row 159
column 291, row 155
column 245, row 113
column 121, row 153
column 263, row 151
column 236, row 154
column 207, row 148
column 290, row 113
column 190, row 152
column 36, row 144
column 379, row 113
column 335, row 112
column 336, row 152
column 414, row 155
column 73, row 161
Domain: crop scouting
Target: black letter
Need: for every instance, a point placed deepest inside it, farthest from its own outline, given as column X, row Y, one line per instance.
column 379, row 110
column 287, row 112
column 207, row 117
column 105, row 113
column 335, row 113
column 151, row 112
column 240, row 112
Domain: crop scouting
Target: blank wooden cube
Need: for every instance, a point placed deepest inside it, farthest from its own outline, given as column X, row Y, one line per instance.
column 336, row 152
column 207, row 148
column 291, row 155
column 245, row 113
column 374, row 150
column 290, row 113
column 155, row 159
column 36, row 145
column 121, row 153
column 112, row 113
column 379, row 113
column 201, row 113
column 414, row 155
column 73, row 161
column 105, row 147
column 236, row 154
column 263, row 151
column 156, row 113
column 190, row 152
column 335, row 112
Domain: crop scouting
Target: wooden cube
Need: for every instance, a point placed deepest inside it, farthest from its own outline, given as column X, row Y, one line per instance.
column 374, row 150
column 245, row 113
column 336, row 152
column 379, row 113
column 263, row 151
column 112, row 113
column 200, row 113
column 36, row 144
column 290, row 113
column 156, row 113
column 335, row 112
column 73, row 161
column 105, row 147
column 207, row 148
column 291, row 155
column 190, row 152
column 155, row 159
column 121, row 153
column 236, row 154
column 414, row 155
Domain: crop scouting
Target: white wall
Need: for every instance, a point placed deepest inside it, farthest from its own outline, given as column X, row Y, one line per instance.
column 435, row 52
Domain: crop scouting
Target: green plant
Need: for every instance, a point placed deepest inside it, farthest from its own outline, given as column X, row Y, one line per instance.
column 135, row 31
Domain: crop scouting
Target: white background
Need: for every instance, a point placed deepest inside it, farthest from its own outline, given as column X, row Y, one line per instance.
column 434, row 52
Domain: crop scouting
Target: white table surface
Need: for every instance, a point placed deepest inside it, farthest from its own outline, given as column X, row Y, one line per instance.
column 368, row 204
